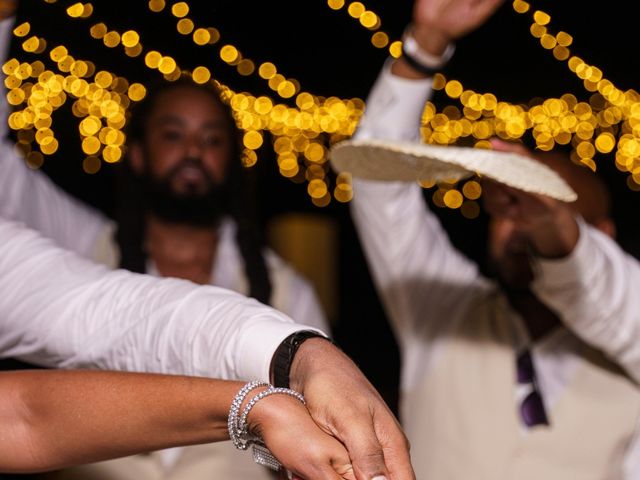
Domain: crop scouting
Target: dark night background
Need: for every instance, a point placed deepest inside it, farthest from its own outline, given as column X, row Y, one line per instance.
column 331, row 55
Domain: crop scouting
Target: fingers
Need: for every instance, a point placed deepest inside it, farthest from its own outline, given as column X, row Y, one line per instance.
column 376, row 444
column 502, row 146
column 395, row 447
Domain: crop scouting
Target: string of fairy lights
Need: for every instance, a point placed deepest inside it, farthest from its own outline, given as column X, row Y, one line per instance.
column 301, row 134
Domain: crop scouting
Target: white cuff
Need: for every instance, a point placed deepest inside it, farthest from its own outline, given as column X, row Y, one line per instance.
column 258, row 344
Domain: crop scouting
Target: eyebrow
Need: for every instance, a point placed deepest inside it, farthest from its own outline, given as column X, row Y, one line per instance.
column 178, row 121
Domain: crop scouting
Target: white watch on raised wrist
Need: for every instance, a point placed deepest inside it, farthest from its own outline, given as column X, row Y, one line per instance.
column 411, row 47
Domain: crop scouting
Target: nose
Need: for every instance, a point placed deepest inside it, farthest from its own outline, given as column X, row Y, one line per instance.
column 195, row 148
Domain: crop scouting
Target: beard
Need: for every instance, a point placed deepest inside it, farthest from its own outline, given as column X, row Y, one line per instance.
column 201, row 207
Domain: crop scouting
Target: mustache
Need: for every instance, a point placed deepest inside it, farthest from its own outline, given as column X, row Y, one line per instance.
column 188, row 162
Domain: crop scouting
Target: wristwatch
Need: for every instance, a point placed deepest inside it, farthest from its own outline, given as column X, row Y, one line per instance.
column 421, row 60
column 286, row 351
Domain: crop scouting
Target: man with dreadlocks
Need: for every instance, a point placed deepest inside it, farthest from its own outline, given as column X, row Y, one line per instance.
column 183, row 212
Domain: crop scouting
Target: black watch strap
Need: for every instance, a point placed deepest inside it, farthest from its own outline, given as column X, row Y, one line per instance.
column 283, row 358
column 416, row 65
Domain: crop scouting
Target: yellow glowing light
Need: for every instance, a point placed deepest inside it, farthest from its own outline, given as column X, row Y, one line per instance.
column 472, row 190
column 201, row 36
column 605, row 142
column 246, row 67
column 185, row 26
column 564, row 39
column 156, row 5
column 214, row 34
column 111, row 39
column 314, row 152
column 167, row 65
column 50, row 147
column 252, row 140
column 335, row 4
column 180, row 9
column 548, row 41
column 453, row 88
column 111, row 154
column 356, row 9
column 541, row 18
column 201, row 75
column 98, row 31
column 380, row 39
column 76, row 10
column 90, row 145
column 58, row 53
column 342, row 195
column 134, row 51
column 395, row 49
column 229, row 53
column 368, row 19
column 22, row 30
column 89, row 126
column 31, row 44
column 317, row 188
column 521, row 6
column 267, row 70
column 130, row 38
column 249, row 158
column 322, row 201
column 286, row 89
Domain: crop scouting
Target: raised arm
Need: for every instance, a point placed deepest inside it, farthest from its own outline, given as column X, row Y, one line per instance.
column 30, row 197
column 409, row 254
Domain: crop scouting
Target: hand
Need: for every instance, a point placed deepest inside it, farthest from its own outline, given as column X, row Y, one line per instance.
column 297, row 442
column 549, row 223
column 344, row 404
column 437, row 23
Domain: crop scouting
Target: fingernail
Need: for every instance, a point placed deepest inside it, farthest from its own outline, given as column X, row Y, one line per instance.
column 379, row 477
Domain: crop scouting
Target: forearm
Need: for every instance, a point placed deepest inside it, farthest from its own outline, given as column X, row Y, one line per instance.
column 56, row 419
column 592, row 290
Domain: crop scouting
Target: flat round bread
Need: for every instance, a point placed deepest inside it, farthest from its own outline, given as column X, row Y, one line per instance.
column 410, row 161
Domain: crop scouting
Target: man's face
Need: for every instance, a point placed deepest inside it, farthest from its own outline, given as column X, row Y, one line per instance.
column 509, row 254
column 188, row 143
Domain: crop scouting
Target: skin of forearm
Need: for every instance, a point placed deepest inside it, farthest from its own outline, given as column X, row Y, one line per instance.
column 57, row 419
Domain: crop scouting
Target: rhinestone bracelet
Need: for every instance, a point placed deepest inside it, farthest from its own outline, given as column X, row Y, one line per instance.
column 239, row 429
column 233, row 423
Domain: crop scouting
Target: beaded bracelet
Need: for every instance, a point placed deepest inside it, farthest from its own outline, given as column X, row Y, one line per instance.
column 239, row 429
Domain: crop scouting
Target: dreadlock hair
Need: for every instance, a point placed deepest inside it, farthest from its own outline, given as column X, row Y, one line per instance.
column 131, row 208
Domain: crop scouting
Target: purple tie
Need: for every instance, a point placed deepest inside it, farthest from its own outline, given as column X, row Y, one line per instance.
column 531, row 408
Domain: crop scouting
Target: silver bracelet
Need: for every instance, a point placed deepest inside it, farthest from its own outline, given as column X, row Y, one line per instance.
column 233, row 422
column 239, row 429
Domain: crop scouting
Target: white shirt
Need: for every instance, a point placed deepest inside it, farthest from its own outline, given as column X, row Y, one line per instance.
column 424, row 280
column 59, row 310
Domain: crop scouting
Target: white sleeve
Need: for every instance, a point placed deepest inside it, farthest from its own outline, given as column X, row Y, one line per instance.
column 59, row 310
column 593, row 292
column 31, row 197
column 419, row 274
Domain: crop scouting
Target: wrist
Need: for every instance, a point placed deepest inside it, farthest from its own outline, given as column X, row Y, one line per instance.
column 312, row 354
column 424, row 53
column 283, row 358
